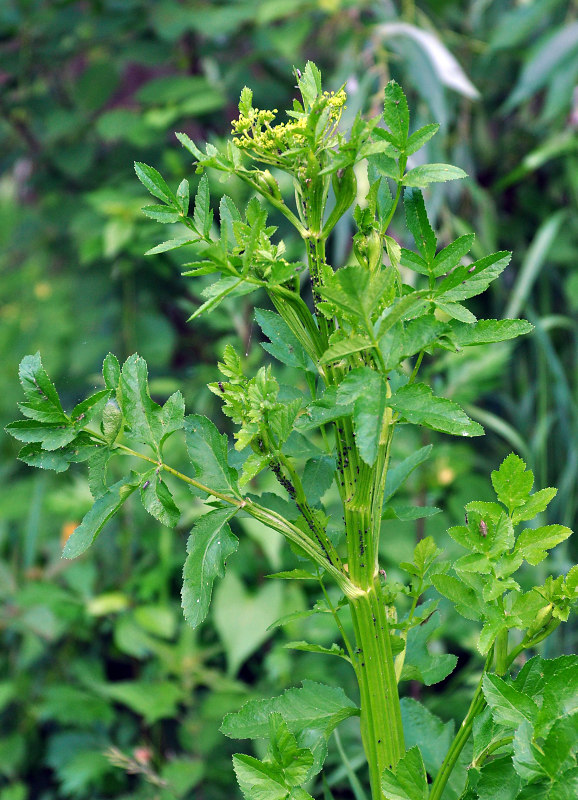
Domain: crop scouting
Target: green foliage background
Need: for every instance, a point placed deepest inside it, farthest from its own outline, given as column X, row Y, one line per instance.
column 95, row 658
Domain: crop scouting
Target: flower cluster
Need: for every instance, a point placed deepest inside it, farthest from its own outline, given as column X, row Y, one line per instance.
column 254, row 132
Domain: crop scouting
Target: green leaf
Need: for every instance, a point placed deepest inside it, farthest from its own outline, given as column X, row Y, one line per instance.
column 427, row 731
column 344, row 347
column 283, row 344
column 242, row 618
column 161, row 214
column 52, row 437
column 170, row 244
column 533, row 543
column 317, row 477
column 97, row 471
column 203, row 215
column 367, row 390
column 535, row 504
column 512, row 482
column 207, row 450
column 294, row 761
column 209, row 545
column 498, row 780
column 323, row 410
column 464, row 598
column 396, row 114
column 451, row 256
column 418, row 224
column 509, row 706
column 407, row 512
column 466, row 282
column 154, row 182
column 103, row 509
column 153, row 700
column 183, row 196
column 416, row 403
column 488, row 331
column 148, row 422
column 157, row 499
column 397, row 475
column 112, row 421
column 58, row 460
column 421, row 137
column 314, row 706
column 38, row 387
column 432, row 173
column 259, row 780
column 419, row 664
column 409, row 781
column 111, row 372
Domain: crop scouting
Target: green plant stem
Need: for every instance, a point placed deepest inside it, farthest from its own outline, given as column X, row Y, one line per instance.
column 356, row 786
column 476, row 707
column 265, row 515
column 491, row 748
column 381, row 726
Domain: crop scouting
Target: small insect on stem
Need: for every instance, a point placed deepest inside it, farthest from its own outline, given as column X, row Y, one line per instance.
column 145, row 484
column 483, row 528
column 466, row 517
column 221, row 387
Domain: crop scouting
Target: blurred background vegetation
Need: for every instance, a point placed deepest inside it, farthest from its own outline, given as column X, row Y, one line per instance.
column 104, row 691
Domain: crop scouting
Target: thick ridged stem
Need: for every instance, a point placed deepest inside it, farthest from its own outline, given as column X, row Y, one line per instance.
column 381, row 725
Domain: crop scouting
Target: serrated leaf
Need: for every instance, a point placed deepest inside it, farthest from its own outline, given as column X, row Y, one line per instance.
column 57, row 460
column 512, row 482
column 259, row 780
column 457, row 311
column 498, row 780
column 464, row 598
column 97, row 470
column 154, row 182
column 535, row 504
column 219, row 290
column 345, row 347
column 409, row 781
column 367, row 390
column 466, row 282
column 417, row 404
column 406, row 512
column 396, row 114
column 432, row 173
column 323, row 410
column 157, row 499
column 418, row 224
column 183, row 196
column 509, row 706
column 207, row 450
column 427, row 731
column 162, row 214
column 421, row 665
column 37, row 386
column 533, row 543
column 111, row 372
column 148, row 422
column 488, row 331
column 170, row 244
column 209, row 545
column 103, row 509
column 420, row 137
column 203, row 216
column 449, row 258
column 294, row 761
column 52, row 437
column 283, row 344
column 314, row 706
